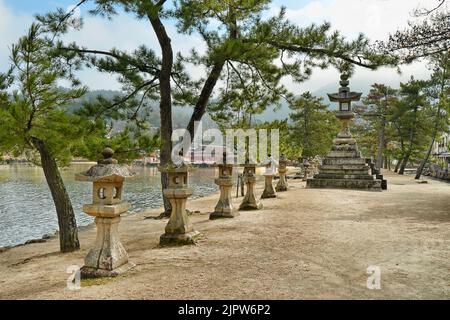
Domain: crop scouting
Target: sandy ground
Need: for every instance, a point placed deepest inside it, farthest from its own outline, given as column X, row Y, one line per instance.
column 306, row 244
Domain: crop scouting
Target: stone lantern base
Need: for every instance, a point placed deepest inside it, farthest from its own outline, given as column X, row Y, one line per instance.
column 179, row 230
column 249, row 202
column 108, row 257
column 93, row 273
column 175, row 239
column 282, row 184
column 224, row 208
column 268, row 192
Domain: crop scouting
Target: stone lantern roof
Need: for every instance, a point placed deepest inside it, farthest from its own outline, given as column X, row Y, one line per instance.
column 106, row 170
column 344, row 94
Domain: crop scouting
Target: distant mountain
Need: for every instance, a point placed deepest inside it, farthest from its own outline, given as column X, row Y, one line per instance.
column 180, row 115
column 282, row 113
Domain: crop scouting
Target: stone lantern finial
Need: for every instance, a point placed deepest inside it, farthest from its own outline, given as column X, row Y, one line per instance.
column 108, row 154
column 344, row 80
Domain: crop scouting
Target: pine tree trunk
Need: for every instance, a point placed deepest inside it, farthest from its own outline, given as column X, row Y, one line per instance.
column 165, row 102
column 68, row 232
column 422, row 165
column 403, row 164
column 381, row 143
column 397, row 165
column 213, row 77
column 411, row 143
column 205, row 94
column 430, row 148
column 425, row 160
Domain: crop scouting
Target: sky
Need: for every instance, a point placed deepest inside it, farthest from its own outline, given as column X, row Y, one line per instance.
column 375, row 18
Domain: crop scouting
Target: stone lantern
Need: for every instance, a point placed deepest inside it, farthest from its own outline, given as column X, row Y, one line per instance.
column 268, row 191
column 306, row 168
column 282, row 184
column 249, row 202
column 344, row 167
column 179, row 230
column 108, row 253
column 224, row 208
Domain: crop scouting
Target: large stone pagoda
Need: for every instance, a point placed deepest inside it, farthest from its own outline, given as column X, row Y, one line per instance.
column 343, row 167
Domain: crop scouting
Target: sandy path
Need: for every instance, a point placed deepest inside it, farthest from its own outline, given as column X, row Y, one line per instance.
column 306, row 244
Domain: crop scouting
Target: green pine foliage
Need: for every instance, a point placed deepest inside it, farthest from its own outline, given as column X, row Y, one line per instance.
column 36, row 108
column 313, row 127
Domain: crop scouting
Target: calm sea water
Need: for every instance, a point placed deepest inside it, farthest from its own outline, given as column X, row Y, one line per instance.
column 27, row 210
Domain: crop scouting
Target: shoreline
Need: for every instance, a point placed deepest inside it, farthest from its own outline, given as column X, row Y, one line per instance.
column 47, row 236
column 24, row 220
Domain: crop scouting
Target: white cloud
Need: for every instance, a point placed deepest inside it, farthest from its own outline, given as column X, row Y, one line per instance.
column 12, row 26
column 123, row 32
column 375, row 18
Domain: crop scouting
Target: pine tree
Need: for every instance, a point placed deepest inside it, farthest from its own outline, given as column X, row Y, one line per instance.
column 428, row 35
column 412, row 119
column 314, row 127
column 438, row 91
column 33, row 120
column 378, row 103
column 254, row 52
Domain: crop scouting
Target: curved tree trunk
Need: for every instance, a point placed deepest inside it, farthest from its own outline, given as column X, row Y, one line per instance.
column 412, row 134
column 165, row 103
column 430, row 148
column 381, row 143
column 403, row 164
column 213, row 77
column 397, row 165
column 202, row 102
column 68, row 232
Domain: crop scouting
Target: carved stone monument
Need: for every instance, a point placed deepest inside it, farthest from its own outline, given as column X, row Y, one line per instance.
column 343, row 167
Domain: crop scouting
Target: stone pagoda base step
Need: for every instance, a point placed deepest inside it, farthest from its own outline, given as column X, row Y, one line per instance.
column 344, row 161
column 357, row 184
column 344, row 154
column 356, row 173
column 322, row 175
column 359, row 167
